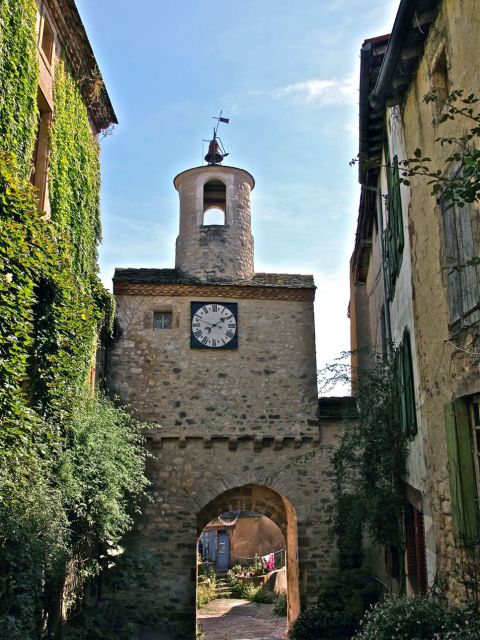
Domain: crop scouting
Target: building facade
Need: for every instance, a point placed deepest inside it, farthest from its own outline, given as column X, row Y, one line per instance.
column 221, row 361
column 414, row 276
column 53, row 105
column 60, row 32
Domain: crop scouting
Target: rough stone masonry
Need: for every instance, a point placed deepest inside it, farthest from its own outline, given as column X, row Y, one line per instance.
column 233, row 427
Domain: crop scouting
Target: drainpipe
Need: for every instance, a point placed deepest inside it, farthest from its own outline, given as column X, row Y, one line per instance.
column 402, row 24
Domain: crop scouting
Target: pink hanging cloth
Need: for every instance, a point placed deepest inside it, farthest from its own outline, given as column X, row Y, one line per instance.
column 269, row 561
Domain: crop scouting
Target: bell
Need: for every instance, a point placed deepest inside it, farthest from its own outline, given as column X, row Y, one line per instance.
column 214, row 156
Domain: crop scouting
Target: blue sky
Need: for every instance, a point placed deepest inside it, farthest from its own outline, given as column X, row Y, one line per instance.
column 286, row 73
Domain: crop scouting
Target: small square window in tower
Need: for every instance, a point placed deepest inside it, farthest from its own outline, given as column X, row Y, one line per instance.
column 162, row 320
column 214, row 203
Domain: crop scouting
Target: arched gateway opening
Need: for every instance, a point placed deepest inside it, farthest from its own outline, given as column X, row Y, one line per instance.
column 266, row 502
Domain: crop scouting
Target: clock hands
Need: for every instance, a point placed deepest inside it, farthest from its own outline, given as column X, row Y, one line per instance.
column 211, row 323
column 218, row 331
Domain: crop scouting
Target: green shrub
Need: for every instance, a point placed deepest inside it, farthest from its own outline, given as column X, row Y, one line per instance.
column 419, row 618
column 280, row 604
column 262, row 595
column 205, row 570
column 323, row 621
column 99, row 625
column 205, row 593
column 237, row 587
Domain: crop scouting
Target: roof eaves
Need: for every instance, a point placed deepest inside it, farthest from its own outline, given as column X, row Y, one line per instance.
column 81, row 58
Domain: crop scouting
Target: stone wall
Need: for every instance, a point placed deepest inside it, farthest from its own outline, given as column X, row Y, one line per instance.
column 447, row 363
column 217, row 252
column 266, row 386
column 195, row 480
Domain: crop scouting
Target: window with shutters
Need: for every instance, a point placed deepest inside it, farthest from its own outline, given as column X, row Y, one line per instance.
column 462, row 272
column 474, row 414
column 462, row 424
column 415, row 545
column 393, row 238
column 405, row 380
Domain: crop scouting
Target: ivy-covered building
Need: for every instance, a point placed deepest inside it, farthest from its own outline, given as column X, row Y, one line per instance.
column 415, row 278
column 69, row 460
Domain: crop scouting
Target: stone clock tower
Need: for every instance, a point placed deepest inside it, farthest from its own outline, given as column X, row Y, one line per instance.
column 221, row 361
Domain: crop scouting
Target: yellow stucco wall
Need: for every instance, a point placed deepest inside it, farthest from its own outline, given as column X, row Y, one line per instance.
column 446, row 365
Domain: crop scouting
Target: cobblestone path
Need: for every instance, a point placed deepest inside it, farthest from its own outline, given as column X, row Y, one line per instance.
column 229, row 619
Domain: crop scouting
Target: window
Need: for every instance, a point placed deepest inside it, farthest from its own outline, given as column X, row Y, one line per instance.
column 459, row 261
column 415, row 545
column 404, row 372
column 440, row 84
column 214, row 203
column 462, row 425
column 393, row 236
column 392, row 561
column 214, row 217
column 162, row 320
column 40, row 159
column 474, row 407
column 47, row 41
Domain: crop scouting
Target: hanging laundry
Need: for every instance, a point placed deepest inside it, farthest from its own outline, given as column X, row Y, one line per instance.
column 269, row 561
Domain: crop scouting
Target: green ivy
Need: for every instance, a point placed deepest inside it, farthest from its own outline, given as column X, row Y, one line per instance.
column 71, row 463
column 75, row 175
column 18, row 80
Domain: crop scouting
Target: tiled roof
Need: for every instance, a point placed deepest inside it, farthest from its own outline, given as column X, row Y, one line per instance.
column 172, row 276
column 337, row 408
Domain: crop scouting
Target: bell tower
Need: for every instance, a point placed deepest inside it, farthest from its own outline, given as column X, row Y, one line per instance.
column 218, row 249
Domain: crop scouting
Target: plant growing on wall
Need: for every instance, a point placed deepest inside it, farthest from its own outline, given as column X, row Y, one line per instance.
column 71, row 463
column 370, row 462
column 18, row 81
column 462, row 187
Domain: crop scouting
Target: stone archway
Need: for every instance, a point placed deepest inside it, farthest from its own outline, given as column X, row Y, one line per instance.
column 266, row 501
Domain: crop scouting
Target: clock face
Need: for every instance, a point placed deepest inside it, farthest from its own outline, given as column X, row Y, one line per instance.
column 214, row 325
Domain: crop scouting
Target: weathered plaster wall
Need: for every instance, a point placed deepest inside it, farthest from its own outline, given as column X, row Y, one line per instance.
column 268, row 385
column 255, row 536
column 401, row 309
column 445, row 370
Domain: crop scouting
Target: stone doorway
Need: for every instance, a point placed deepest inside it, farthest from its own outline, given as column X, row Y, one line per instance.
column 266, row 502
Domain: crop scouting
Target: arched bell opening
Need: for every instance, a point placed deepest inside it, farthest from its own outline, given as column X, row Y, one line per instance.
column 267, row 505
column 214, row 217
column 214, row 203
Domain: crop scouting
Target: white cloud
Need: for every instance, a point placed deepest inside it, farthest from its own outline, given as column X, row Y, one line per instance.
column 323, row 92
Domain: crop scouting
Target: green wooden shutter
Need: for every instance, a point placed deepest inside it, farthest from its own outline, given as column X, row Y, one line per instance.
column 394, row 236
column 411, row 412
column 400, row 364
column 397, row 203
column 461, row 470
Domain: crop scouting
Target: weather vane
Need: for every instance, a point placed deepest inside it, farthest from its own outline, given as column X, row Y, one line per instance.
column 216, row 151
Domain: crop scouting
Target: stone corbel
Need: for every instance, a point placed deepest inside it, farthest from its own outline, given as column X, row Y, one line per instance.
column 258, row 443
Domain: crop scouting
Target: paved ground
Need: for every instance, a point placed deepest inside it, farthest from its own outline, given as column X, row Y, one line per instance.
column 229, row 619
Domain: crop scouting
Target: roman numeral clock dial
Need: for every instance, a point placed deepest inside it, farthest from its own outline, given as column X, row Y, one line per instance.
column 214, row 325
